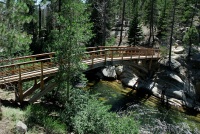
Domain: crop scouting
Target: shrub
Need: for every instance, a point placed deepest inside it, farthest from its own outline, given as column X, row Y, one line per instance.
column 36, row 114
column 85, row 114
column 97, row 119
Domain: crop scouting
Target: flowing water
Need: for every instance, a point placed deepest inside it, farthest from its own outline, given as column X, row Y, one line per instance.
column 153, row 115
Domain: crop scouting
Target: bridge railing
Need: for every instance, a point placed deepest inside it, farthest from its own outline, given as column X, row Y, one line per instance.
column 105, row 53
column 30, row 65
column 7, row 61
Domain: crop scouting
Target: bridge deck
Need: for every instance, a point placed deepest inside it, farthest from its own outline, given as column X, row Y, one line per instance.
column 28, row 67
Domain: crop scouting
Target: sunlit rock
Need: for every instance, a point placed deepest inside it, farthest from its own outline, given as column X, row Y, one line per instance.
column 109, row 72
column 21, row 127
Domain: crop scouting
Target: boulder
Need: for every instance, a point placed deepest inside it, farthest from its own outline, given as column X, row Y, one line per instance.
column 178, row 49
column 21, row 127
column 119, row 70
column 178, row 42
column 131, row 82
column 109, row 72
column 175, row 77
column 174, row 63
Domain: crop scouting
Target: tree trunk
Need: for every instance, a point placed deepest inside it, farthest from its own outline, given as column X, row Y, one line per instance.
column 123, row 12
column 40, row 20
column 172, row 31
column 104, row 24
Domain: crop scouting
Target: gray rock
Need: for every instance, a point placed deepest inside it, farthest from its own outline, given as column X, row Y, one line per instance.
column 21, row 127
column 175, row 77
column 131, row 82
column 178, row 42
column 109, row 72
column 178, row 49
column 119, row 70
column 174, row 63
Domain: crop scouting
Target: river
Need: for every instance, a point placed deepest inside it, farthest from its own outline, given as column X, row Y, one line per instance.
column 153, row 115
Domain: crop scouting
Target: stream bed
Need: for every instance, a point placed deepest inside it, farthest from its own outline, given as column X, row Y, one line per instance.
column 153, row 115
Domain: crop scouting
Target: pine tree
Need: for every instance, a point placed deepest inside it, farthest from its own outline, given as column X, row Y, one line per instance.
column 14, row 39
column 135, row 31
column 72, row 31
column 163, row 20
column 191, row 37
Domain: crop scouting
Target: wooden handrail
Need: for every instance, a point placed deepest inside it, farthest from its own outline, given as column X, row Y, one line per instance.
column 24, row 63
column 27, row 57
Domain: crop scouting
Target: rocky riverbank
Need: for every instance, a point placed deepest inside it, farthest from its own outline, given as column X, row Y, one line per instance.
column 178, row 85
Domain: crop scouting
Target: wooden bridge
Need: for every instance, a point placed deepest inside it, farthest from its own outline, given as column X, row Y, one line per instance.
column 41, row 67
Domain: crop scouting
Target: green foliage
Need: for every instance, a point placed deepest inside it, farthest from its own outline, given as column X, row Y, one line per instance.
column 135, row 32
column 150, row 12
column 38, row 115
column 12, row 114
column 163, row 51
column 71, row 32
column 85, row 114
column 13, row 39
column 96, row 119
column 164, row 19
column 110, row 41
column 191, row 36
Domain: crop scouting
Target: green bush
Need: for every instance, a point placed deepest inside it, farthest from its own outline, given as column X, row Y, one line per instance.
column 82, row 114
column 85, row 114
column 97, row 119
column 38, row 115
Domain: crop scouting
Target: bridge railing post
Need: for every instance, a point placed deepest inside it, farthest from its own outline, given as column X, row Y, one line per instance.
column 92, row 60
column 41, row 77
column 112, row 56
column 20, row 92
column 105, row 56
column 122, row 55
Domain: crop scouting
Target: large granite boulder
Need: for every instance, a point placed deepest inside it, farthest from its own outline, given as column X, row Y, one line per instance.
column 109, row 72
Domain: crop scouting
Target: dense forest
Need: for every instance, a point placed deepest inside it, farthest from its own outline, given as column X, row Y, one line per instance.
column 67, row 27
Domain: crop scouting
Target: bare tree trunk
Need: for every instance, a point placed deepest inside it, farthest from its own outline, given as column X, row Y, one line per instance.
column 104, row 24
column 40, row 21
column 172, row 31
column 123, row 12
column 151, row 33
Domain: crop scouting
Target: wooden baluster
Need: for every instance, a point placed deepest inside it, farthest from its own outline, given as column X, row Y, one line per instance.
column 92, row 59
column 101, row 52
column 13, row 70
column 112, row 56
column 146, row 53
column 33, row 68
column 122, row 56
column 131, row 54
column 20, row 92
column 105, row 56
column 151, row 59
column 41, row 78
column 139, row 54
